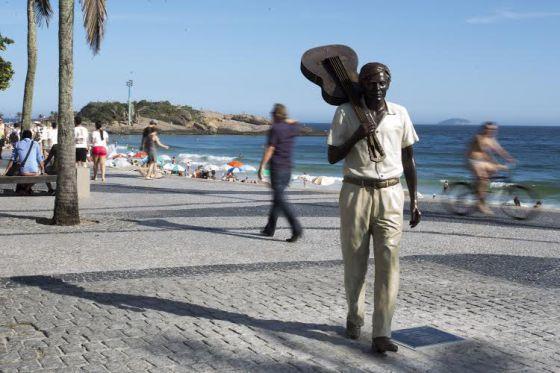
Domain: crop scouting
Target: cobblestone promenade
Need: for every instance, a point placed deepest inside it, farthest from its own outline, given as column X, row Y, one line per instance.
column 222, row 299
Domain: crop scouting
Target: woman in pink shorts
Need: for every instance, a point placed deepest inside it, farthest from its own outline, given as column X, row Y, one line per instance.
column 99, row 139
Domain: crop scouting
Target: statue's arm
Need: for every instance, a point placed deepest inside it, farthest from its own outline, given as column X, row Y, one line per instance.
column 337, row 153
column 409, row 167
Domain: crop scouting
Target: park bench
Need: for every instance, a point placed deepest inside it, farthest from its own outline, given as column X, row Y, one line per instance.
column 82, row 176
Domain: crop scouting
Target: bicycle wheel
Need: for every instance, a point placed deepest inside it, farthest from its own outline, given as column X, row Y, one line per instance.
column 460, row 198
column 519, row 202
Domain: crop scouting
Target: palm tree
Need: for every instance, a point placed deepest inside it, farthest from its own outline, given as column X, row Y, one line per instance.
column 66, row 210
column 37, row 11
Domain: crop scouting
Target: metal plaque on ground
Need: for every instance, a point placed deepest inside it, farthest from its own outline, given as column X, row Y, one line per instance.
column 423, row 336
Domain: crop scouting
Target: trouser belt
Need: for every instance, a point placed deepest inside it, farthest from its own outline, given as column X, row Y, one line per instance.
column 371, row 183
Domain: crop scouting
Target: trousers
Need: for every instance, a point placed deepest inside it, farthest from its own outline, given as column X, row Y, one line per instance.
column 376, row 213
column 279, row 180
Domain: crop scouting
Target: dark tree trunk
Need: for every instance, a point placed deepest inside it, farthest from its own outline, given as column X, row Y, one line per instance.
column 31, row 66
column 66, row 211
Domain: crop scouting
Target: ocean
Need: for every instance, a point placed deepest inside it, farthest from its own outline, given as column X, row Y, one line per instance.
column 439, row 155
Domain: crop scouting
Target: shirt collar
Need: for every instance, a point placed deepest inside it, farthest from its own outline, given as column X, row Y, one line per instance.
column 388, row 104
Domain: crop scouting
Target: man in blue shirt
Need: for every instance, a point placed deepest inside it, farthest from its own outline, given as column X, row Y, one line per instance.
column 34, row 162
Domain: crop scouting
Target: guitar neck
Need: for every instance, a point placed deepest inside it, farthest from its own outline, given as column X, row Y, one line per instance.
column 343, row 77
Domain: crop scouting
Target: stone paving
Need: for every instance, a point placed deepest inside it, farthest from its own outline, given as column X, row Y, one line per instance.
column 172, row 276
column 268, row 317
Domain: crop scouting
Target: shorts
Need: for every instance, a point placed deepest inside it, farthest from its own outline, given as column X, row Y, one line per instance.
column 81, row 154
column 99, row 151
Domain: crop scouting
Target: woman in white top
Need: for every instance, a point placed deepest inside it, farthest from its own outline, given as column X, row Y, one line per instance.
column 99, row 140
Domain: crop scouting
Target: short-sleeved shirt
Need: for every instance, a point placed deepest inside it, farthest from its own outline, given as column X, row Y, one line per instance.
column 395, row 132
column 96, row 139
column 282, row 136
column 80, row 136
column 53, row 137
column 35, row 157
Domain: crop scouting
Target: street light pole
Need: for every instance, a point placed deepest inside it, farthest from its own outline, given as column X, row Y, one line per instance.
column 129, row 84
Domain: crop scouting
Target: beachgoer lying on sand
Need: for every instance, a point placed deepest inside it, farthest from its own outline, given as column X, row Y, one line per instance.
column 482, row 163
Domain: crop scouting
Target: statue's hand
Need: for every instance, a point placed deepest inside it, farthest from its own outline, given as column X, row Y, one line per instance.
column 415, row 215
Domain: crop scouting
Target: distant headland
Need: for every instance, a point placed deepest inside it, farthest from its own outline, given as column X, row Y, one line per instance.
column 455, row 122
column 176, row 119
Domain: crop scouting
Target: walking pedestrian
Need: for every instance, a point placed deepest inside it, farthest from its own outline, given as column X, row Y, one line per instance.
column 81, row 141
column 278, row 153
column 99, row 139
column 151, row 142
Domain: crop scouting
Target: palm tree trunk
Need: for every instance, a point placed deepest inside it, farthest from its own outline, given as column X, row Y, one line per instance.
column 66, row 210
column 31, row 65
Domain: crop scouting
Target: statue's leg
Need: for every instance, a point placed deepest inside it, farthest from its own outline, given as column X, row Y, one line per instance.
column 387, row 231
column 355, row 209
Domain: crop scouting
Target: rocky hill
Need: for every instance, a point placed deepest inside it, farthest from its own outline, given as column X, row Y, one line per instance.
column 175, row 119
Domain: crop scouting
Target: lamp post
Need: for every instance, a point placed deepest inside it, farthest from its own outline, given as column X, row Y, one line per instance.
column 129, row 84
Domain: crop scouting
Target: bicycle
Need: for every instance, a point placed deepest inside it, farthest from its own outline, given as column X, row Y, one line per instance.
column 519, row 202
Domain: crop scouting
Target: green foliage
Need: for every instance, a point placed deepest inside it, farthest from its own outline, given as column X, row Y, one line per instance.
column 167, row 112
column 6, row 70
column 105, row 112
column 162, row 110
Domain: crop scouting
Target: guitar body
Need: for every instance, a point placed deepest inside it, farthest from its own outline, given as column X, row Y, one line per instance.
column 315, row 68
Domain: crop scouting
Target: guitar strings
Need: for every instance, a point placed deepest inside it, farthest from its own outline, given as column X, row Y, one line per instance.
column 344, row 79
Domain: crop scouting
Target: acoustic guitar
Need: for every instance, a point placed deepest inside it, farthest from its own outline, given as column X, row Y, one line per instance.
column 334, row 69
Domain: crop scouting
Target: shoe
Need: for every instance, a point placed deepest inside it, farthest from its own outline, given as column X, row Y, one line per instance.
column 383, row 344
column 295, row 237
column 266, row 233
column 352, row 330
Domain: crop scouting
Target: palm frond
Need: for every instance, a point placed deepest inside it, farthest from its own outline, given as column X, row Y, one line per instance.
column 95, row 15
column 43, row 11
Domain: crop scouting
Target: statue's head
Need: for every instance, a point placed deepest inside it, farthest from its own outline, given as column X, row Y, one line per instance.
column 375, row 79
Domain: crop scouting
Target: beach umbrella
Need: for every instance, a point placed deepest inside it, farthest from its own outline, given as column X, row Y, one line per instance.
column 233, row 169
column 140, row 155
column 174, row 167
column 211, row 167
column 164, row 158
column 236, row 164
column 323, row 180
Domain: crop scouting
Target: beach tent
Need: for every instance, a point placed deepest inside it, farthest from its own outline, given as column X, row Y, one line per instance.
column 174, row 167
column 164, row 158
column 323, row 180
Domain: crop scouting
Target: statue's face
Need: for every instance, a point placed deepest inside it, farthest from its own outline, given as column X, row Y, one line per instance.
column 375, row 86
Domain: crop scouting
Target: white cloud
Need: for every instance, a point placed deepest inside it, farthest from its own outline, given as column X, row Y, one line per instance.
column 508, row 15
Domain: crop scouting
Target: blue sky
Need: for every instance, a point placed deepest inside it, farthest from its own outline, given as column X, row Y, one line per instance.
column 472, row 59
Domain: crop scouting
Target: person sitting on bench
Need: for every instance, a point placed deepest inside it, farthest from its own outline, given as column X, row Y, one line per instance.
column 27, row 160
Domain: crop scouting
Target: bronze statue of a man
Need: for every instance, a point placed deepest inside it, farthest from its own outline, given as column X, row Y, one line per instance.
column 372, row 199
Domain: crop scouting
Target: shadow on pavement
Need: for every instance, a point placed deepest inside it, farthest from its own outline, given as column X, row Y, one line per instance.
column 526, row 270
column 140, row 303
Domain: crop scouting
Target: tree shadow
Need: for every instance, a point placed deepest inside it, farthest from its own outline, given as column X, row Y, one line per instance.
column 164, row 224
column 526, row 270
column 141, row 303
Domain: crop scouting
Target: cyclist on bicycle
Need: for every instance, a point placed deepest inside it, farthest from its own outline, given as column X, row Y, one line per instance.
column 482, row 163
